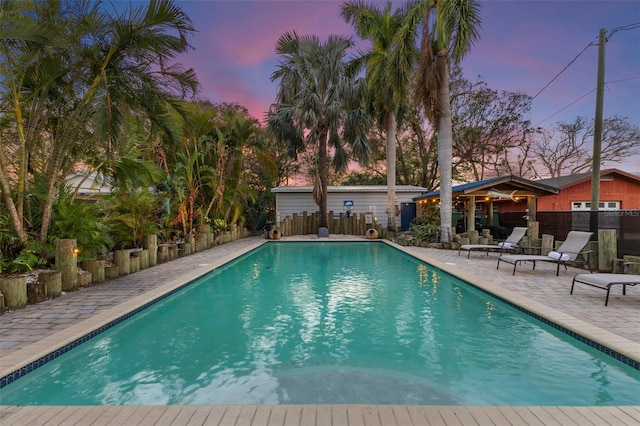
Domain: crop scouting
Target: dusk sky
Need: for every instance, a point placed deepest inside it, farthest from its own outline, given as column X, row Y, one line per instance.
column 523, row 46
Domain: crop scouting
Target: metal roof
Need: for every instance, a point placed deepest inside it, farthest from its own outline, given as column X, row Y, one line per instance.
column 510, row 183
column 565, row 181
column 349, row 188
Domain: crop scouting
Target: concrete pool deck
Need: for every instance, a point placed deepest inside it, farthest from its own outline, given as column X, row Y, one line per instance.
column 29, row 333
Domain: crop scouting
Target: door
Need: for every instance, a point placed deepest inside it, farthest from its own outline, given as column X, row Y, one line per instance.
column 407, row 214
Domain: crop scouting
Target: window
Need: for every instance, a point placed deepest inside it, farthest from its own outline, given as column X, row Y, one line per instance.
column 602, row 205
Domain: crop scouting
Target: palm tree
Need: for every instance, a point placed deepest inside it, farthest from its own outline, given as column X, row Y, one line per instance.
column 76, row 91
column 319, row 104
column 447, row 38
column 390, row 63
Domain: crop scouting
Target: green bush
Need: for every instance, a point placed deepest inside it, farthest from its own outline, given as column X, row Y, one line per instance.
column 132, row 215
column 29, row 259
column 426, row 227
column 82, row 221
column 219, row 225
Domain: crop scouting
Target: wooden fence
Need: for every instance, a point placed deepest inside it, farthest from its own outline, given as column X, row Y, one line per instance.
column 305, row 223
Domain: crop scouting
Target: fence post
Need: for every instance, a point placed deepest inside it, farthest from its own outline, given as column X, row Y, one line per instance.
column 67, row 263
column 607, row 249
column 151, row 243
column 633, row 269
column 547, row 244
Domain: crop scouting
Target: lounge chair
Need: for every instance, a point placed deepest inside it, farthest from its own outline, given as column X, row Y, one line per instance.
column 606, row 281
column 569, row 251
column 509, row 244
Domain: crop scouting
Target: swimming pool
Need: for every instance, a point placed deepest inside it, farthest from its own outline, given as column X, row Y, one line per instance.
column 346, row 323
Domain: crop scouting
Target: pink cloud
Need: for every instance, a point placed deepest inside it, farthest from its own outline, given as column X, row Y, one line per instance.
column 252, row 39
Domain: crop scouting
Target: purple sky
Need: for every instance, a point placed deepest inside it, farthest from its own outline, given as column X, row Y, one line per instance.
column 523, row 46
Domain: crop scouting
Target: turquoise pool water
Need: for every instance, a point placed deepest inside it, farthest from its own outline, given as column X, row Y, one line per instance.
column 329, row 322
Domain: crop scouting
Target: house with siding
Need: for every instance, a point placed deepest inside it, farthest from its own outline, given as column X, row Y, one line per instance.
column 88, row 185
column 619, row 190
column 356, row 199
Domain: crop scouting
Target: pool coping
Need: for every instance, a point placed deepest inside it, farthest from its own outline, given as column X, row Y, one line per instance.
column 21, row 362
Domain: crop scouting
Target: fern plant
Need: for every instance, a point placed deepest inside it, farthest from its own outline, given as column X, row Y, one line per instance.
column 30, row 257
column 133, row 214
column 82, row 221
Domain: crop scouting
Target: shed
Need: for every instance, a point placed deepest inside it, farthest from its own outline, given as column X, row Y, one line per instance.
column 357, row 198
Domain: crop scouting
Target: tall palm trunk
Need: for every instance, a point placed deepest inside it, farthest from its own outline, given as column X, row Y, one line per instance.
column 323, row 173
column 391, row 172
column 445, row 149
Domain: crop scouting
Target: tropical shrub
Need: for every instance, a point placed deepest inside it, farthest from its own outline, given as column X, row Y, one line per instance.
column 132, row 214
column 426, row 227
column 30, row 257
column 82, row 221
column 219, row 225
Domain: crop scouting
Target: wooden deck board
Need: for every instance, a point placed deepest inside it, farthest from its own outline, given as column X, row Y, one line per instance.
column 185, row 414
column 339, row 415
column 580, row 416
column 247, row 414
column 89, row 415
column 616, row 416
column 450, row 416
column 201, row 415
column 371, row 415
column 465, row 417
column 308, row 415
column 292, row 416
column 402, row 415
column 169, row 416
column 277, row 416
column 107, row 415
column 417, row 414
column 139, row 413
column 153, row 416
column 560, row 417
column 481, row 416
column 496, row 414
column 62, row 416
column 527, row 416
column 321, row 415
column 262, row 414
column 355, row 415
column 125, row 416
column 29, row 415
column 230, row 416
column 632, row 412
column 386, row 415
column 324, row 415
column 434, row 416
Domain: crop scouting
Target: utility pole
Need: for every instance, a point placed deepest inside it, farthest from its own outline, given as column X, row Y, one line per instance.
column 597, row 136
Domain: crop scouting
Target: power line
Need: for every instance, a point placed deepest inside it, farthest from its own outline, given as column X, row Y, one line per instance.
column 563, row 70
column 558, row 112
column 611, row 33
column 584, row 96
column 626, row 27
